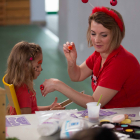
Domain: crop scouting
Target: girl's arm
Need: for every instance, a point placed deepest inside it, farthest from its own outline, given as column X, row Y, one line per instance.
column 26, row 110
column 51, row 85
column 43, row 108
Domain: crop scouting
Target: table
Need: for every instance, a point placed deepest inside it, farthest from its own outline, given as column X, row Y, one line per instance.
column 29, row 132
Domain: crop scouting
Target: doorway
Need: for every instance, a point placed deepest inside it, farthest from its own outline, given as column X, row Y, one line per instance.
column 52, row 9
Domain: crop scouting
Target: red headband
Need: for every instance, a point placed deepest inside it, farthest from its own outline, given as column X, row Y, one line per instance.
column 110, row 13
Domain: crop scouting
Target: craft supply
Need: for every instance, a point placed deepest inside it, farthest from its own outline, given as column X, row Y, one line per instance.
column 133, row 131
column 41, row 87
column 99, row 100
column 106, row 113
column 135, row 120
column 122, row 136
column 93, row 111
column 126, row 121
column 131, row 115
column 71, row 127
column 104, row 121
column 16, row 121
column 108, row 125
column 68, row 101
column 101, row 113
column 126, row 116
column 118, row 118
column 70, row 47
column 48, row 128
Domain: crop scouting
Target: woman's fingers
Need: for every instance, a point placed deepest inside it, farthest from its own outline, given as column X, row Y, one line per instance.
column 43, row 92
column 49, row 86
column 65, row 48
column 67, row 43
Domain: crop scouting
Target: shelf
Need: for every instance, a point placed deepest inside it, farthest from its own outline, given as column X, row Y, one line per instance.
column 18, row 5
column 18, row 13
column 17, row 21
column 14, row 12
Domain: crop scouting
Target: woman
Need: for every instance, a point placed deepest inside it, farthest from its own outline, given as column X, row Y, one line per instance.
column 115, row 71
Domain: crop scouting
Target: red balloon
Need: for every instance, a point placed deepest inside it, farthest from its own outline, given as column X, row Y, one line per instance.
column 84, row 1
column 113, row 2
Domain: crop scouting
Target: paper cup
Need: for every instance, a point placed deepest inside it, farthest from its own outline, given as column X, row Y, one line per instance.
column 93, row 111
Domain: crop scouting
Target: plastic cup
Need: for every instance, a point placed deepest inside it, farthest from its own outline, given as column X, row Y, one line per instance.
column 93, row 111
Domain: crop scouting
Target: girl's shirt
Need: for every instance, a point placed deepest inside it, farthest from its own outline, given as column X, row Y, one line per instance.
column 26, row 98
column 121, row 72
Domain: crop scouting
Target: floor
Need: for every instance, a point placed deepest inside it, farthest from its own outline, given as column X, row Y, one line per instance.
column 51, row 25
column 54, row 64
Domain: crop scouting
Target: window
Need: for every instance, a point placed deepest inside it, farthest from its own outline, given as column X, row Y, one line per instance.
column 51, row 6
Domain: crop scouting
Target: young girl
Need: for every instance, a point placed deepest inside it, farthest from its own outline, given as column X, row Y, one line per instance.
column 24, row 65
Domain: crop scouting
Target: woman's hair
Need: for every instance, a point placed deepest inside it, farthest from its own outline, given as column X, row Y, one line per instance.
column 20, row 70
column 97, row 133
column 109, row 23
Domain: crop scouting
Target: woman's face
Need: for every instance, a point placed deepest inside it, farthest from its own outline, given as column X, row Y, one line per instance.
column 100, row 37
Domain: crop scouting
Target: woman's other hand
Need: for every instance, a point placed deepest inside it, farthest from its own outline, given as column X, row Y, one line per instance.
column 71, row 55
column 49, row 86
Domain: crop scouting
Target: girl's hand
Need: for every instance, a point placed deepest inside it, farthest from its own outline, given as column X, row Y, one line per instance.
column 49, row 86
column 56, row 106
column 71, row 55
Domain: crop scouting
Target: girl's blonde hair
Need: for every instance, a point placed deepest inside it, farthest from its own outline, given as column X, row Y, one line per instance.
column 20, row 70
column 109, row 23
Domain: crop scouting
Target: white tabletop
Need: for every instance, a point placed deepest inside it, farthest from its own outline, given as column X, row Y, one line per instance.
column 29, row 132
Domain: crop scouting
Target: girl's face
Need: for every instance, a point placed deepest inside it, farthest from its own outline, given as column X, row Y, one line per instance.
column 37, row 65
column 100, row 37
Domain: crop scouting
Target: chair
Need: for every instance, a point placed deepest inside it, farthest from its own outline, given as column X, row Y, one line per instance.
column 11, row 94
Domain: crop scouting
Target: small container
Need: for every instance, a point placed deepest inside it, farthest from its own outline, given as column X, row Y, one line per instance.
column 93, row 111
column 109, row 126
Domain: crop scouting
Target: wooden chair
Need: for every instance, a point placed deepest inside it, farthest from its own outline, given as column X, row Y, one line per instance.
column 2, row 113
column 11, row 94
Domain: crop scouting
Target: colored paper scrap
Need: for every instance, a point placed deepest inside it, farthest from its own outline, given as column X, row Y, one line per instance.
column 101, row 113
column 16, row 121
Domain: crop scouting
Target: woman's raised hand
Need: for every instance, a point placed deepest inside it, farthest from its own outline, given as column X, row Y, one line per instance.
column 70, row 52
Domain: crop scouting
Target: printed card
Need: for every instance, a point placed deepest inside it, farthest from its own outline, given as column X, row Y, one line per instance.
column 16, row 121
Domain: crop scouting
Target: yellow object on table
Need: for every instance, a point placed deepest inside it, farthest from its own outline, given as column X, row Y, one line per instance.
column 86, row 116
column 104, row 121
column 126, row 121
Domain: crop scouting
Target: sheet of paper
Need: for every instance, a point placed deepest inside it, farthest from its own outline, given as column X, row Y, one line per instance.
column 16, row 121
column 101, row 113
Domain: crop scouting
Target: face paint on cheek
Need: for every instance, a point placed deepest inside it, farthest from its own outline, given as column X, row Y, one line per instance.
column 36, row 69
column 40, row 62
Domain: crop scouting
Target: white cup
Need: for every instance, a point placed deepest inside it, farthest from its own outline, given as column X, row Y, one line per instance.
column 93, row 111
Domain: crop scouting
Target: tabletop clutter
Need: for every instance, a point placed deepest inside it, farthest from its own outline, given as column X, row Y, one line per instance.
column 68, row 122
